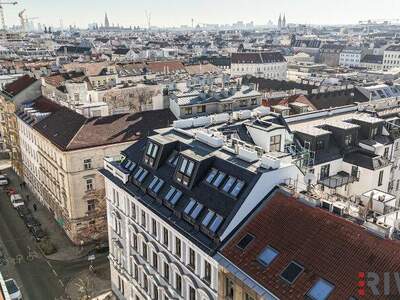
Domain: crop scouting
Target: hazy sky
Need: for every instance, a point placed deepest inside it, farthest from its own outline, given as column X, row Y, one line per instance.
column 178, row 12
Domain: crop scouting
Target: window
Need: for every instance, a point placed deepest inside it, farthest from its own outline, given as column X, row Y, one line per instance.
column 373, row 132
column 178, row 247
column 237, row 188
column 354, row 171
column 155, row 292
column 324, row 172
column 155, row 260
column 121, row 285
column 144, row 250
column 145, row 282
column 156, row 184
column 140, row 175
column 173, row 196
column 201, row 109
column 228, row 184
column 134, row 241
column 216, row 223
column 211, row 175
column 128, row 165
column 165, row 237
column 229, row 288
column 386, row 153
column 348, row 139
column 248, row 297
column 185, row 171
column 207, row 218
column 207, row 271
column 91, row 205
column 154, row 227
column 188, row 111
column 173, row 159
column 151, row 154
column 166, row 271
column 89, row 184
column 267, row 256
column 292, row 272
column 380, row 179
column 192, row 293
column 245, row 241
column 178, row 283
column 192, row 259
column 133, row 211
column 143, row 219
column 218, row 180
column 320, row 290
column 320, row 145
column 87, row 164
column 193, row 208
column 275, row 143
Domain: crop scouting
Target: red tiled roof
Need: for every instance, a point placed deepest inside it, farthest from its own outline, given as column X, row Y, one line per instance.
column 17, row 86
column 328, row 247
column 162, row 66
column 285, row 101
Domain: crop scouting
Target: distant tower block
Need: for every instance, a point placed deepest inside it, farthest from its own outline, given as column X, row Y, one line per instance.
column 106, row 21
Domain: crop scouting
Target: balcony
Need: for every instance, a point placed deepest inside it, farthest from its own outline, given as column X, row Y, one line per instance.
column 112, row 165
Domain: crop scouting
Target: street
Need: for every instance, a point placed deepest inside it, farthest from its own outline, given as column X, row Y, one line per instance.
column 20, row 258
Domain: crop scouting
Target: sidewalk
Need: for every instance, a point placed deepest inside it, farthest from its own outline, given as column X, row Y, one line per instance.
column 66, row 250
column 95, row 285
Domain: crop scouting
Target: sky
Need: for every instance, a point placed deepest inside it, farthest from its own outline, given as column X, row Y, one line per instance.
column 166, row 13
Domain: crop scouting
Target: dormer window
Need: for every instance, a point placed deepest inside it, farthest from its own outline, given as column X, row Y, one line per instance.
column 140, row 174
column 173, row 196
column 173, row 159
column 128, row 165
column 185, row 171
column 156, row 184
column 151, row 154
column 320, row 145
column 348, row 140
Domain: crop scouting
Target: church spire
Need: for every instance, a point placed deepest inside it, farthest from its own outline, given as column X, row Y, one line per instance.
column 280, row 21
column 284, row 21
column 106, row 21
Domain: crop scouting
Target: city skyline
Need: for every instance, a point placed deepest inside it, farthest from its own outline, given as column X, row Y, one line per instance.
column 179, row 12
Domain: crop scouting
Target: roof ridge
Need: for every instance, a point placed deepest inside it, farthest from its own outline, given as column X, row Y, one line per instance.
column 76, row 133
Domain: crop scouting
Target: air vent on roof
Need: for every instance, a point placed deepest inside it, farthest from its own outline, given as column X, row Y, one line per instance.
column 270, row 162
column 241, row 115
column 210, row 139
column 202, row 121
column 248, row 155
column 220, row 118
column 184, row 123
column 261, row 111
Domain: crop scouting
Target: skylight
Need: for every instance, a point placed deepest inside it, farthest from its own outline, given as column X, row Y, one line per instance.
column 156, row 184
column 320, row 290
column 237, row 188
column 218, row 180
column 193, row 208
column 292, row 272
column 211, row 175
column 216, row 223
column 185, row 171
column 173, row 195
column 245, row 241
column 207, row 218
column 228, row 184
column 141, row 174
column 267, row 256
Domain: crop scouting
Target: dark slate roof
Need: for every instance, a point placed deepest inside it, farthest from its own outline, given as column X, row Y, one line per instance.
column 393, row 48
column 372, row 59
column 327, row 246
column 209, row 196
column 365, row 160
column 121, row 51
column 307, row 43
column 69, row 130
column 256, row 57
column 61, row 127
column 14, row 88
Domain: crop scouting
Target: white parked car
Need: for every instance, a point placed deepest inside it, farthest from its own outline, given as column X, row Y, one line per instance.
column 3, row 180
column 13, row 289
column 16, row 200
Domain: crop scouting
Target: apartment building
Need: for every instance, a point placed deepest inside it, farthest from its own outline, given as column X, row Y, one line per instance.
column 391, row 57
column 351, row 57
column 174, row 198
column 271, row 65
column 289, row 249
column 60, row 162
column 199, row 102
column 12, row 96
column 372, row 62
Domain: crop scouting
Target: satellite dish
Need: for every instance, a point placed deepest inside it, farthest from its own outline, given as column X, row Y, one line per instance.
column 310, row 178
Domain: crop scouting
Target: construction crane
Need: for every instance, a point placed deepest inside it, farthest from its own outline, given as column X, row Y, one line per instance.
column 2, row 19
column 25, row 20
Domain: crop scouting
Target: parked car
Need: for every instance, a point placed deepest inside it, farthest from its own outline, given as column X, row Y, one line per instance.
column 23, row 211
column 13, row 289
column 4, row 180
column 16, row 200
column 38, row 233
column 30, row 221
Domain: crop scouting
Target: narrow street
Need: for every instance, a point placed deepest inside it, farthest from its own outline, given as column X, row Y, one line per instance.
column 39, row 278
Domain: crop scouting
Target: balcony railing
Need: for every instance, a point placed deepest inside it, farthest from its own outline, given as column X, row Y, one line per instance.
column 112, row 165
